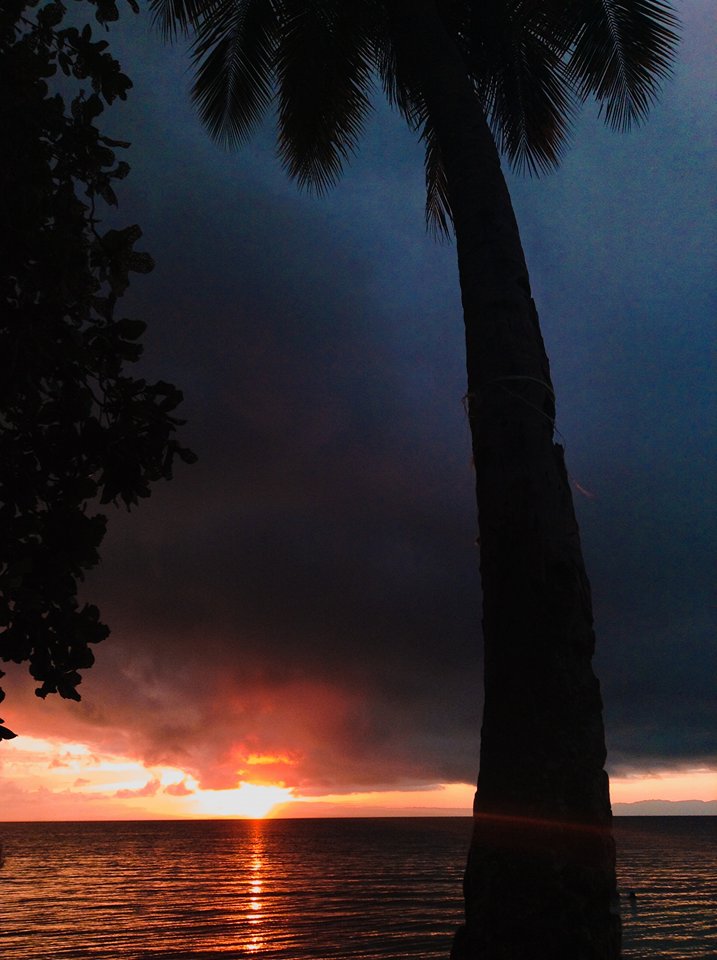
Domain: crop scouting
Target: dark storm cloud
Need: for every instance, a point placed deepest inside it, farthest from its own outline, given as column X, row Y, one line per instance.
column 309, row 590
column 622, row 247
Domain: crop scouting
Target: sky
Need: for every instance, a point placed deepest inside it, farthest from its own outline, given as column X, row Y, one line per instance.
column 296, row 618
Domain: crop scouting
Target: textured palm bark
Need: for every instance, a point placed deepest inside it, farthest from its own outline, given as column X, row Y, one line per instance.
column 540, row 879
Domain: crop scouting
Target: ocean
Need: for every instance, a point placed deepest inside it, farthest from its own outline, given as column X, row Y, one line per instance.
column 356, row 889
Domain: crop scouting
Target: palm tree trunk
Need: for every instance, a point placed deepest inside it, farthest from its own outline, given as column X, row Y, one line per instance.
column 540, row 879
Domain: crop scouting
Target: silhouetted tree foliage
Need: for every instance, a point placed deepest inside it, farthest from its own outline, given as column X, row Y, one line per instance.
column 75, row 428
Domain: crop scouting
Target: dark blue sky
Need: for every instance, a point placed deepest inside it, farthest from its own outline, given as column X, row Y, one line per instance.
column 323, row 546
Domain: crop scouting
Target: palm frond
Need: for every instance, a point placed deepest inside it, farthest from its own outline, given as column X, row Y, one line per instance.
column 622, row 50
column 533, row 107
column 233, row 54
column 324, row 65
column 521, row 79
column 401, row 94
column 174, row 17
column 439, row 216
column 387, row 67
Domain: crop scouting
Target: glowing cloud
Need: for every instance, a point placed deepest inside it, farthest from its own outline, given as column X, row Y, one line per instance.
column 45, row 779
column 248, row 800
column 699, row 784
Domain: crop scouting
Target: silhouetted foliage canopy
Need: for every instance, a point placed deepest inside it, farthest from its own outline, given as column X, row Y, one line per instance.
column 75, row 428
column 532, row 64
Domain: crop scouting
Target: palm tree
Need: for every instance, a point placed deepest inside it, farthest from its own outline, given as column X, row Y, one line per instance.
column 477, row 79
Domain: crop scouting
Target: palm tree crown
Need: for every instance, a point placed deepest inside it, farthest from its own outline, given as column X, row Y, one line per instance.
column 532, row 64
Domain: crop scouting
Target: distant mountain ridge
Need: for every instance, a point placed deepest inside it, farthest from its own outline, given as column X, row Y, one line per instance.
column 666, row 808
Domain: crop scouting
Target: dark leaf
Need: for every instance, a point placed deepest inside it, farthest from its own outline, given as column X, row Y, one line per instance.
column 6, row 734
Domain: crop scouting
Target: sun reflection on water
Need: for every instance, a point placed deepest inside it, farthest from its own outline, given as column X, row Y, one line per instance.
column 255, row 915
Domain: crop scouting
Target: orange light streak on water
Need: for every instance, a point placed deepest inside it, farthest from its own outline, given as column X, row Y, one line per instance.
column 255, row 940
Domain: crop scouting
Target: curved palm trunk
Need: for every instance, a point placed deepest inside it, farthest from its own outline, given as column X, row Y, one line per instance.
column 540, row 880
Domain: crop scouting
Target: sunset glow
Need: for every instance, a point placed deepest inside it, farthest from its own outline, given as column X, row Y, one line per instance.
column 248, row 800
column 674, row 785
column 45, row 779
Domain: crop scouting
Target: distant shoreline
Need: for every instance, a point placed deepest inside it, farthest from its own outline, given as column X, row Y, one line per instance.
column 666, row 808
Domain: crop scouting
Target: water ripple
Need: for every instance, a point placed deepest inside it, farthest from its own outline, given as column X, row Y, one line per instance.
column 309, row 890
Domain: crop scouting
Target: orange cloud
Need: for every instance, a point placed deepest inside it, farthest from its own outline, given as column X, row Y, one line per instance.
column 179, row 789
column 256, row 759
column 113, row 786
column 148, row 790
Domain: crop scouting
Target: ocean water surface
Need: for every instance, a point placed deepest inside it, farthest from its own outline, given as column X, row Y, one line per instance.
column 364, row 889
